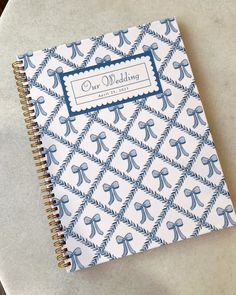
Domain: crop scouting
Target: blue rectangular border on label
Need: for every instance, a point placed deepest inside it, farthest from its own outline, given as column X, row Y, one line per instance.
column 102, row 65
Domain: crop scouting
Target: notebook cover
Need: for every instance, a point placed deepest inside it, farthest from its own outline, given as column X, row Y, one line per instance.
column 128, row 147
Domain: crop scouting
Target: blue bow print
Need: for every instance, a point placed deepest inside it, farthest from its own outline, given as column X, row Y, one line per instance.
column 196, row 116
column 69, row 126
column 162, row 178
column 126, row 243
column 117, row 110
column 54, row 74
column 60, row 203
column 226, row 213
column 122, row 38
column 99, row 139
column 179, row 146
column 81, row 173
column 93, row 222
column 169, row 26
column 74, row 259
column 165, row 99
column 130, row 157
column 144, row 210
column 152, row 49
column 37, row 105
column 112, row 191
column 49, row 154
column 147, row 127
column 100, row 60
column 211, row 164
column 26, row 59
column 176, row 227
column 193, row 194
column 182, row 68
column 75, row 48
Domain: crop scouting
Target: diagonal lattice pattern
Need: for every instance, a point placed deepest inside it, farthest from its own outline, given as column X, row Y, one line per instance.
column 173, row 189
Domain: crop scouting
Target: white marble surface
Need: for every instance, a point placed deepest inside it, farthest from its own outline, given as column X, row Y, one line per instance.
column 206, row 265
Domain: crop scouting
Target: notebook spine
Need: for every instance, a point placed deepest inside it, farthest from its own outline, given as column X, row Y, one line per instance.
column 41, row 164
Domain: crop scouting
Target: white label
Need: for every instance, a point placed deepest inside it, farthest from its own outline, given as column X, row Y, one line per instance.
column 110, row 83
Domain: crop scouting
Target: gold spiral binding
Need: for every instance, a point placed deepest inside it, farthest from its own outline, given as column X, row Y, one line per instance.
column 40, row 163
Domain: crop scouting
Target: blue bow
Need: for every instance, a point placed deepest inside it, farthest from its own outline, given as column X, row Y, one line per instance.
column 182, row 68
column 55, row 75
column 112, row 191
column 226, row 213
column 37, row 105
column 75, row 48
column 130, row 157
column 99, row 139
column 60, row 203
column 69, row 126
column 165, row 99
column 144, row 210
column 26, row 59
column 162, row 178
column 147, row 127
column 100, row 60
column 193, row 194
column 196, row 115
column 169, row 26
column 122, row 38
column 125, row 241
column 179, row 146
column 176, row 227
column 93, row 222
column 117, row 110
column 81, row 173
column 74, row 259
column 152, row 49
column 211, row 164
column 49, row 154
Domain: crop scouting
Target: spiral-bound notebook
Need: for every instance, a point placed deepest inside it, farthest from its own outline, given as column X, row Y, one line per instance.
column 124, row 153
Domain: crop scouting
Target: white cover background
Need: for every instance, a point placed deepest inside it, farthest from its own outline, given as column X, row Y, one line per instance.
column 74, row 149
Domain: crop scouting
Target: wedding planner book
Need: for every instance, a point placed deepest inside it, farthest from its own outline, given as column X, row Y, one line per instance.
column 125, row 157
